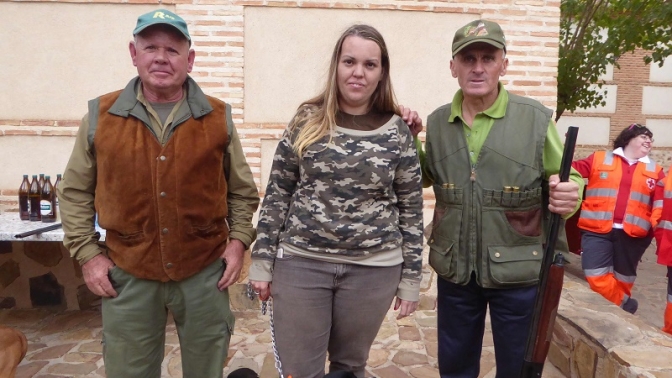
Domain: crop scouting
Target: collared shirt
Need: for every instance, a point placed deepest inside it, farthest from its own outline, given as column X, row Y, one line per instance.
column 619, row 151
column 158, row 128
column 480, row 128
column 77, row 189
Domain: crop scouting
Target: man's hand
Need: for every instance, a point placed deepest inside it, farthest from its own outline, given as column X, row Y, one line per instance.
column 95, row 276
column 233, row 256
column 563, row 195
column 412, row 119
column 405, row 308
column 262, row 289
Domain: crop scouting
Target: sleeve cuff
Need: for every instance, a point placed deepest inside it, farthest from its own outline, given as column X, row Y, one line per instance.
column 86, row 253
column 261, row 270
column 409, row 290
column 244, row 237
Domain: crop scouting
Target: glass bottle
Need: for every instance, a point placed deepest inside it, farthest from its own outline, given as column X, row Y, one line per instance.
column 34, row 198
column 58, row 209
column 40, row 183
column 48, row 202
column 24, row 203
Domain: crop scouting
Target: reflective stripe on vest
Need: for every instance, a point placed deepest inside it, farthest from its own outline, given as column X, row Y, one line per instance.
column 665, row 224
column 597, row 215
column 657, row 204
column 602, row 194
column 641, row 197
column 637, row 221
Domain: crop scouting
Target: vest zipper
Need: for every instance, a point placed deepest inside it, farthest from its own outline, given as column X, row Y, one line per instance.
column 473, row 232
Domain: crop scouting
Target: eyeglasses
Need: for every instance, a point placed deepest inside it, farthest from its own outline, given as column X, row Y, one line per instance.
column 637, row 125
column 645, row 138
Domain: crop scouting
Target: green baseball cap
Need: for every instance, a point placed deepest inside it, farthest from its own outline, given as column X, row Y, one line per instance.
column 479, row 31
column 162, row 16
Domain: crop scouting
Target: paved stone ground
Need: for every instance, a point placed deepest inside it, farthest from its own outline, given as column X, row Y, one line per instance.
column 650, row 288
column 67, row 344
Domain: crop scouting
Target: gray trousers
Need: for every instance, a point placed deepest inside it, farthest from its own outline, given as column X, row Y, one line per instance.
column 134, row 324
column 322, row 307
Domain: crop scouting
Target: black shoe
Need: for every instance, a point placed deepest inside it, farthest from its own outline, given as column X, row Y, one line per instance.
column 340, row 374
column 630, row 305
column 243, row 373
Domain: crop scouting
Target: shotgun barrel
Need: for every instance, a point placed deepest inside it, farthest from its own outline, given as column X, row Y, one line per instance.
column 40, row 230
column 550, row 281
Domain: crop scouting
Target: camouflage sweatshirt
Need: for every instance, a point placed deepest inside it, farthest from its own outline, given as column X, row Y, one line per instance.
column 354, row 198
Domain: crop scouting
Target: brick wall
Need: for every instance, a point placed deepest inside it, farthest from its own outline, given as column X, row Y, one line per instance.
column 217, row 27
column 630, row 78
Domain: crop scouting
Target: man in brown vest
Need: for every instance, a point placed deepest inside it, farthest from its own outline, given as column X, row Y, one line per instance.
column 161, row 166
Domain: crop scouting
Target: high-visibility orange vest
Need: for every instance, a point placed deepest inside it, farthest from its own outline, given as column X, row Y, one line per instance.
column 663, row 230
column 597, row 211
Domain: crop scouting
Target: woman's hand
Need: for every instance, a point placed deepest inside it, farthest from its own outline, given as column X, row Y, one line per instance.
column 261, row 289
column 405, row 308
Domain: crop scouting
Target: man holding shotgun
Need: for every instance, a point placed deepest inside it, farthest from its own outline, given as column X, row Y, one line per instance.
column 493, row 159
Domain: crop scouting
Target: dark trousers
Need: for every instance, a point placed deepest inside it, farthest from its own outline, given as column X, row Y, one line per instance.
column 610, row 262
column 461, row 323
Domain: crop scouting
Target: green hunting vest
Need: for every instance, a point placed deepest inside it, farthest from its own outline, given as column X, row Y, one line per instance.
column 489, row 217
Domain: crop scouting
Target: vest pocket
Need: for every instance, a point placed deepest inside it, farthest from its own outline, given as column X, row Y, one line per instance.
column 208, row 230
column 128, row 238
column 442, row 250
column 515, row 265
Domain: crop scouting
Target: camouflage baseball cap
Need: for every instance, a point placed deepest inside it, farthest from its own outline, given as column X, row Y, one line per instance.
column 162, row 16
column 479, row 31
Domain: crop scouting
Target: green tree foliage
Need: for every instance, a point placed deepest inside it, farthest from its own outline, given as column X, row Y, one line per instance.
column 595, row 33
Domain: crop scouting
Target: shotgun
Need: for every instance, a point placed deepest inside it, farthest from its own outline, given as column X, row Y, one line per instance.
column 40, row 230
column 551, row 276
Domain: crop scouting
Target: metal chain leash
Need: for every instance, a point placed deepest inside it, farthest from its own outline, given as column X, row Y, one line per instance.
column 264, row 305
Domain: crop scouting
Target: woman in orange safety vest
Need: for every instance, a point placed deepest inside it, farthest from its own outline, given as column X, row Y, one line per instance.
column 661, row 219
column 616, row 214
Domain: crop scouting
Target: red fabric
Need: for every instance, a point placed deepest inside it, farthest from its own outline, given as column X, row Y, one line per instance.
column 573, row 233
column 663, row 236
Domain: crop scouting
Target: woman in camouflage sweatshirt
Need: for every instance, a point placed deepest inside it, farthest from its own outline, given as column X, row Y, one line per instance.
column 340, row 229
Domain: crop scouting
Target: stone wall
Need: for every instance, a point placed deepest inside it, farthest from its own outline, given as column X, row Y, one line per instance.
column 41, row 275
column 593, row 338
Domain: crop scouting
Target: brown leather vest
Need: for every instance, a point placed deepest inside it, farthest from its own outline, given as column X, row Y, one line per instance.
column 164, row 207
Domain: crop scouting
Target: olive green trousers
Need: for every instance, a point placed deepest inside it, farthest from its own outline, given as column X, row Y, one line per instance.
column 134, row 324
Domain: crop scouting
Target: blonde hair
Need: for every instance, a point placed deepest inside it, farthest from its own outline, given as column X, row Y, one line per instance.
column 316, row 117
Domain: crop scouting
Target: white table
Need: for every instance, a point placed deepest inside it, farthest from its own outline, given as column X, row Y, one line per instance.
column 10, row 225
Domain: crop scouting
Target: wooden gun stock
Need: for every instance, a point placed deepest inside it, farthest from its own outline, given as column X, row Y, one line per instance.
column 550, row 282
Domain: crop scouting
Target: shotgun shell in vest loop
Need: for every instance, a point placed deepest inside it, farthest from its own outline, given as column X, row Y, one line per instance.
column 508, row 189
column 515, row 189
column 448, row 186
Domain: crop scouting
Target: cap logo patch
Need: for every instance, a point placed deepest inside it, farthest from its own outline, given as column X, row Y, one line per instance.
column 162, row 15
column 478, row 30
